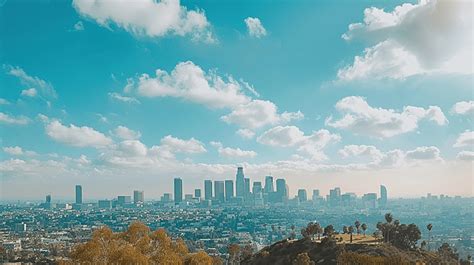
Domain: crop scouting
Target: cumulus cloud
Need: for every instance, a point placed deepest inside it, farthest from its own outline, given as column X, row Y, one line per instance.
column 360, row 118
column 361, row 150
column 176, row 145
column 246, row 133
column 406, row 40
column 229, row 152
column 29, row 92
column 255, row 27
column 126, row 133
column 465, row 139
column 17, row 151
column 79, row 26
column 36, row 83
column 424, row 153
column 463, row 108
column 126, row 99
column 189, row 82
column 259, row 113
column 4, row 101
column 148, row 17
column 8, row 119
column 465, row 156
column 291, row 136
column 76, row 136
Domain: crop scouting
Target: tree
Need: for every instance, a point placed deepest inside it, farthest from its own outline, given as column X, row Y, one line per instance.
column 303, row 259
column 199, row 258
column 350, row 229
column 364, row 227
column 388, row 217
column 429, row 227
column 357, row 225
column 329, row 231
column 234, row 253
column 447, row 252
column 345, row 230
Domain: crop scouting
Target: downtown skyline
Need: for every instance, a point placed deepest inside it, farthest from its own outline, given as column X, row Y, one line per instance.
column 328, row 94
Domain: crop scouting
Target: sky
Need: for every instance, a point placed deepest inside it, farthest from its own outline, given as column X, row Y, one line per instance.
column 126, row 95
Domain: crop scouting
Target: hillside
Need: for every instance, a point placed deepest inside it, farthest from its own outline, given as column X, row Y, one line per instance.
column 306, row 251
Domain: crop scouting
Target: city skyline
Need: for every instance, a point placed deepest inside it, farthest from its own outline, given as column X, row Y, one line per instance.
column 322, row 94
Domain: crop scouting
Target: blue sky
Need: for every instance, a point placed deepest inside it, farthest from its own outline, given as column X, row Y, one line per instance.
column 325, row 94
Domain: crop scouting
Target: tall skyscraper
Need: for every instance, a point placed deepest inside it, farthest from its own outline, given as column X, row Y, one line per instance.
column 197, row 193
column 138, row 196
column 208, row 189
column 78, row 194
column 257, row 187
column 246, row 188
column 269, row 184
column 219, row 190
column 178, row 190
column 281, row 190
column 335, row 196
column 240, row 182
column 48, row 198
column 302, row 195
column 383, row 195
column 229, row 189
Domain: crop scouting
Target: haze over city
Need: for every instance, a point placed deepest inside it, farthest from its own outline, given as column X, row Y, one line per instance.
column 328, row 95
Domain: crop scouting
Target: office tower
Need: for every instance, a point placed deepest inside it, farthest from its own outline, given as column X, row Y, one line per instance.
column 240, row 182
column 188, row 197
column 316, row 194
column 48, row 199
column 246, row 188
column 229, row 189
column 348, row 199
column 334, row 198
column 138, row 196
column 257, row 187
column 370, row 200
column 383, row 195
column 123, row 199
column 197, row 193
column 281, row 190
column 166, row 197
column 208, row 190
column 269, row 184
column 78, row 194
column 219, row 190
column 302, row 195
column 178, row 190
column 105, row 204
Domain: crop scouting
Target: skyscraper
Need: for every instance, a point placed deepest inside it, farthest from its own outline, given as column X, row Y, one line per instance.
column 138, row 196
column 208, row 189
column 246, row 188
column 219, row 190
column 78, row 194
column 302, row 195
column 281, row 190
column 48, row 198
column 197, row 193
column 240, row 182
column 383, row 195
column 229, row 189
column 269, row 184
column 178, row 190
column 257, row 187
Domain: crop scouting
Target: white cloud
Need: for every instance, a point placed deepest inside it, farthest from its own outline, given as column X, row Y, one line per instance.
column 465, row 156
column 8, row 119
column 17, row 151
column 126, row 133
column 176, row 145
column 122, row 98
column 259, row 113
column 291, row 136
column 424, row 153
column 246, row 133
column 76, row 136
column 361, row 150
column 45, row 88
column 255, row 27
column 189, row 82
column 29, row 92
column 229, row 152
column 79, row 26
column 4, row 101
column 363, row 119
column 407, row 40
column 465, row 139
column 148, row 17
column 464, row 108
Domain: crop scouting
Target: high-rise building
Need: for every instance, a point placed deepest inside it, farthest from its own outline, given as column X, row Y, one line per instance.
column 229, row 189
column 269, row 184
column 208, row 189
column 315, row 194
column 302, row 195
column 370, row 200
column 257, row 187
column 48, row 198
column 246, row 188
column 197, row 193
column 166, row 197
column 78, row 194
column 383, row 195
column 105, row 204
column 281, row 190
column 124, row 199
column 334, row 197
column 178, row 190
column 138, row 196
column 219, row 190
column 240, row 182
